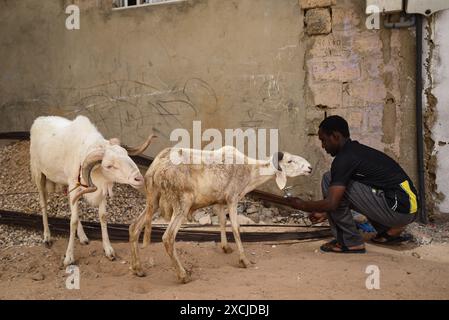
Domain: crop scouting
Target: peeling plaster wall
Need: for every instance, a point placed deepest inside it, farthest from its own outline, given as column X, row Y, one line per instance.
column 231, row 64
column 437, row 108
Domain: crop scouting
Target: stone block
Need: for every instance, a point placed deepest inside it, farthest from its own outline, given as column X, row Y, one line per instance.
column 327, row 94
column 318, row 21
column 310, row 4
column 334, row 69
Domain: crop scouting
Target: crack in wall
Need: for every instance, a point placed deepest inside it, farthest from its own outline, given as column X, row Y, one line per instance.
column 430, row 118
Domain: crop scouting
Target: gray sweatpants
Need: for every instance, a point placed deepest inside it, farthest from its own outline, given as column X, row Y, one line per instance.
column 364, row 200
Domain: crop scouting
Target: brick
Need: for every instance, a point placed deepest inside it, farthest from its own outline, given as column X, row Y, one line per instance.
column 328, row 45
column 310, row 4
column 344, row 19
column 355, row 119
column 334, row 69
column 327, row 94
column 371, row 91
column 318, row 21
column 367, row 42
column 314, row 116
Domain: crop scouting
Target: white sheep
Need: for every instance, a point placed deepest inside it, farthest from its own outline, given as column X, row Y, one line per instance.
column 178, row 189
column 75, row 154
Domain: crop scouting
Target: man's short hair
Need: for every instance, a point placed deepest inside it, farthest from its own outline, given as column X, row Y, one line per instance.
column 335, row 124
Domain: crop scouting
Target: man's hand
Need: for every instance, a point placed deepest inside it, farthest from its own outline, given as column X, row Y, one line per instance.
column 317, row 217
column 329, row 204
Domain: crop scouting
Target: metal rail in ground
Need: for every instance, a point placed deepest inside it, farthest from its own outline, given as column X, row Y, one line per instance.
column 119, row 232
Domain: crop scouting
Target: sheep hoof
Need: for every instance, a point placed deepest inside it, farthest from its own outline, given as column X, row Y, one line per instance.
column 84, row 242
column 110, row 254
column 227, row 249
column 144, row 245
column 69, row 261
column 48, row 244
column 244, row 263
column 138, row 272
column 185, row 276
column 111, row 258
column 185, row 279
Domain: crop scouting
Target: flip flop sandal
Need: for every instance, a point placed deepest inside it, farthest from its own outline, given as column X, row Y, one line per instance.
column 329, row 247
column 388, row 240
column 332, row 242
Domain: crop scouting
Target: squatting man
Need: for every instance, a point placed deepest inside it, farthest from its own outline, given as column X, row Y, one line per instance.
column 363, row 179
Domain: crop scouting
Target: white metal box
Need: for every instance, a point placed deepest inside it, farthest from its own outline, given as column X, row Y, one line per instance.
column 384, row 6
column 426, row 7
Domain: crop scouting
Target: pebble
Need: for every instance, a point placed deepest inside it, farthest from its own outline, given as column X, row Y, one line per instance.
column 244, row 220
column 198, row 215
column 416, row 255
column 38, row 276
column 205, row 220
column 252, row 209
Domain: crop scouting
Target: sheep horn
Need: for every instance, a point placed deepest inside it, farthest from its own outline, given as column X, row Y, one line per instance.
column 89, row 163
column 134, row 151
column 277, row 156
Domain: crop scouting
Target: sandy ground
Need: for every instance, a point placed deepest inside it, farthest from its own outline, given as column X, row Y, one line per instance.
column 28, row 270
column 283, row 271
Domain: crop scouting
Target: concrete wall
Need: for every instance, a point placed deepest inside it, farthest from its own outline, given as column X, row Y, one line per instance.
column 436, row 74
column 230, row 64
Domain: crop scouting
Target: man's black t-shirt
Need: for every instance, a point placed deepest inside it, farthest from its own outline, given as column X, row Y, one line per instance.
column 373, row 168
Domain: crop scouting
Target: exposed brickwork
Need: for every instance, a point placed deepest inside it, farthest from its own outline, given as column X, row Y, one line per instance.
column 318, row 21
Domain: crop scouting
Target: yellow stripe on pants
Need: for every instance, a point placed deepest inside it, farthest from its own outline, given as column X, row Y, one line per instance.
column 412, row 197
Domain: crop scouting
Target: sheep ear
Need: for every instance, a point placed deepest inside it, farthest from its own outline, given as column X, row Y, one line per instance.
column 281, row 179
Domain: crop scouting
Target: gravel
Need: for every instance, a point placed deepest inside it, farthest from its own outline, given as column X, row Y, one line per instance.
column 436, row 231
column 12, row 236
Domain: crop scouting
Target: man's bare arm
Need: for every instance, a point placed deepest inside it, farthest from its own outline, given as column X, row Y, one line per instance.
column 331, row 203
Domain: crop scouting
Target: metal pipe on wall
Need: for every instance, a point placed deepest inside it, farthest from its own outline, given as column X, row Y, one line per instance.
column 422, row 217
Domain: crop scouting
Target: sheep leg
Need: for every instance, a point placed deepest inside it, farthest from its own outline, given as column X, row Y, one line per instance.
column 74, row 220
column 108, row 250
column 147, row 232
column 243, row 261
column 149, row 221
column 222, row 216
column 43, row 195
column 169, row 241
column 81, row 234
column 134, row 232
